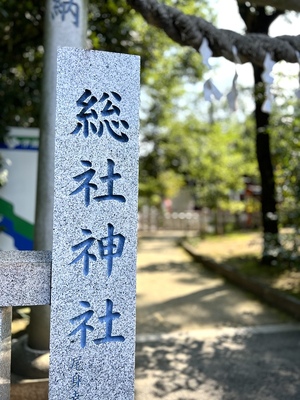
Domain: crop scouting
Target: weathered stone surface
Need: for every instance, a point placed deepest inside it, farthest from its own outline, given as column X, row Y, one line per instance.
column 95, row 226
column 5, row 351
column 25, row 278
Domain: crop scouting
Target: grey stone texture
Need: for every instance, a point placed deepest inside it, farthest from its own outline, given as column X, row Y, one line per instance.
column 92, row 340
column 5, row 351
column 25, row 278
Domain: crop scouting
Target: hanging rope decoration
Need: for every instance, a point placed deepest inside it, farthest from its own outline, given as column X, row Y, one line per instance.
column 233, row 94
column 268, row 79
column 210, row 90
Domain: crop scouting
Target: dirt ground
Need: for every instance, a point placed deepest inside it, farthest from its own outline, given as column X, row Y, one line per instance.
column 237, row 248
column 223, row 247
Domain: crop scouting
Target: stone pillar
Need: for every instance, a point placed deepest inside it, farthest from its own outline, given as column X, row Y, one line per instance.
column 65, row 25
column 95, row 226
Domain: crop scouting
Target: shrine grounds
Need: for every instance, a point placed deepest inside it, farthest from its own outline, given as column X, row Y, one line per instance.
column 200, row 337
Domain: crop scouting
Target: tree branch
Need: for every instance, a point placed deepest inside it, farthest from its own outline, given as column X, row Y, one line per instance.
column 189, row 30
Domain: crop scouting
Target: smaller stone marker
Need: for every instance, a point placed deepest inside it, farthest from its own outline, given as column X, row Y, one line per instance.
column 25, row 278
column 25, row 281
column 92, row 342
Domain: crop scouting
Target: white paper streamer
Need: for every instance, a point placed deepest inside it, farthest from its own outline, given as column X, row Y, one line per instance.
column 236, row 57
column 233, row 94
column 267, row 105
column 205, row 52
column 268, row 79
column 268, row 66
column 210, row 91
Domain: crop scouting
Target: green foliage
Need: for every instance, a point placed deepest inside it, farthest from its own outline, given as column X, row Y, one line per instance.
column 3, row 171
column 109, row 27
column 285, row 132
column 166, row 185
column 212, row 160
column 21, row 55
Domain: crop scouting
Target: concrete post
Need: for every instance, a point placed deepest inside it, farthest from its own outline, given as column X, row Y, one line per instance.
column 65, row 25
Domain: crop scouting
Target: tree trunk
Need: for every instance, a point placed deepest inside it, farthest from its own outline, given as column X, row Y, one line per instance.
column 258, row 20
column 263, row 154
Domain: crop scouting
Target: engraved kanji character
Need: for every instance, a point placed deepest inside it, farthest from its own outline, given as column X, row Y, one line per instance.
column 108, row 319
column 85, row 255
column 77, row 363
column 76, row 396
column 86, row 184
column 110, row 247
column 82, row 327
column 86, row 114
column 65, row 7
column 109, row 179
column 109, row 109
column 76, row 380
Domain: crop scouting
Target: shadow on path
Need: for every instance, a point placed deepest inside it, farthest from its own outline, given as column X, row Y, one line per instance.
column 175, row 293
column 248, row 367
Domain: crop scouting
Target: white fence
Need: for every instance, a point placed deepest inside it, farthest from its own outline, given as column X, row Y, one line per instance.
column 203, row 221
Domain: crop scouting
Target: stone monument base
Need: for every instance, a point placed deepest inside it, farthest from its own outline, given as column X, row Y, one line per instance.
column 34, row 364
column 29, row 363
